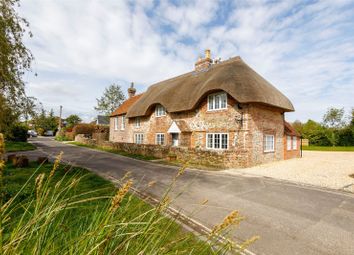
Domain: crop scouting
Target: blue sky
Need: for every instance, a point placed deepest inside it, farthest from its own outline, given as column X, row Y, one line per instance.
column 304, row 48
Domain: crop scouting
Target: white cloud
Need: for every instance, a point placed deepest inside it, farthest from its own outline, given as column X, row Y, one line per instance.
column 305, row 50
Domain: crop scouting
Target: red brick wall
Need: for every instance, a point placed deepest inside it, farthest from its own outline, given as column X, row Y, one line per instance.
column 288, row 154
column 265, row 120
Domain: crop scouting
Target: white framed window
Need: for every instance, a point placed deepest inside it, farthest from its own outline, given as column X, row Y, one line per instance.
column 160, row 110
column 139, row 138
column 217, row 141
column 217, row 101
column 268, row 143
column 294, row 143
column 288, row 142
column 122, row 124
column 115, row 123
column 160, row 138
column 137, row 122
column 244, row 121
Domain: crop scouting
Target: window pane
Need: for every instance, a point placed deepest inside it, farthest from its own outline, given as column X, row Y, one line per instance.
column 217, row 141
column 116, row 123
column 217, row 102
column 288, row 142
column 223, row 100
column 224, row 138
column 294, row 143
column 210, row 102
column 210, row 141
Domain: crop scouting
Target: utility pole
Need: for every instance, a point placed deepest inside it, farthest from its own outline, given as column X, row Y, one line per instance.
column 60, row 112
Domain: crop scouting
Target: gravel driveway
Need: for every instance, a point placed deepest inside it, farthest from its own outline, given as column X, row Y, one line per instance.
column 324, row 169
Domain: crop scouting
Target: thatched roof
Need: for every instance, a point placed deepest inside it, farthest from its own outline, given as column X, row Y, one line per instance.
column 234, row 76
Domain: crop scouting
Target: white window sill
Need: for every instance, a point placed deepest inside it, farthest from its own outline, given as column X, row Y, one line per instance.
column 213, row 149
column 217, row 110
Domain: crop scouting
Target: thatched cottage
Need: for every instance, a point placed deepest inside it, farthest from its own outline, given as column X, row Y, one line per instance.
column 222, row 113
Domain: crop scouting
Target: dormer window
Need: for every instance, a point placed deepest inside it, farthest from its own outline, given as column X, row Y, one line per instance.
column 160, row 111
column 217, row 101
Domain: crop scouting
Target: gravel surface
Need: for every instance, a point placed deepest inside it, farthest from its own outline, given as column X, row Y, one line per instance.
column 324, row 169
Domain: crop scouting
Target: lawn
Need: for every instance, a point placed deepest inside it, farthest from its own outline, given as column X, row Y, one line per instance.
column 69, row 210
column 328, row 148
column 18, row 146
column 123, row 153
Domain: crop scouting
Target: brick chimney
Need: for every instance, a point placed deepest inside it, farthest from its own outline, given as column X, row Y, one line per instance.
column 131, row 90
column 204, row 63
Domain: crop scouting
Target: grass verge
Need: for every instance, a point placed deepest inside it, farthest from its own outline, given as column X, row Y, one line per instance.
column 328, row 148
column 18, row 146
column 74, row 211
column 123, row 153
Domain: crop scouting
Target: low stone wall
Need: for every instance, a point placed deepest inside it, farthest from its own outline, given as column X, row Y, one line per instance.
column 221, row 159
column 85, row 140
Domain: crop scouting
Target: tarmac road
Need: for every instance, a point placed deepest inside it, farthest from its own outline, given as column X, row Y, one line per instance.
column 289, row 218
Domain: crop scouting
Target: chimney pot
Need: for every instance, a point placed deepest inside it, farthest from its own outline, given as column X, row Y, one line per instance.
column 131, row 90
column 204, row 63
column 207, row 54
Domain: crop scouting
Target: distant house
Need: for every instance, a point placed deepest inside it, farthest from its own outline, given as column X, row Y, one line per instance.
column 223, row 107
column 102, row 120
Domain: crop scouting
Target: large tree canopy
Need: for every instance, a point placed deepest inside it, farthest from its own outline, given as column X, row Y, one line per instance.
column 334, row 118
column 113, row 97
column 15, row 58
column 72, row 120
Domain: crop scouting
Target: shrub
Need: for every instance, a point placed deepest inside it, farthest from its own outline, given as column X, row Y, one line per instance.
column 346, row 137
column 18, row 133
column 101, row 129
column 40, row 131
column 62, row 138
column 69, row 136
column 86, row 129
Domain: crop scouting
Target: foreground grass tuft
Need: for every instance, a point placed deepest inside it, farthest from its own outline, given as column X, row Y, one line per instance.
column 328, row 148
column 18, row 146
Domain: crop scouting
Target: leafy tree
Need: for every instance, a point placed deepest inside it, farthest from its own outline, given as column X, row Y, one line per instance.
column 333, row 118
column 73, row 120
column 7, row 118
column 346, row 136
column 28, row 108
column 46, row 121
column 15, row 58
column 316, row 133
column 113, row 97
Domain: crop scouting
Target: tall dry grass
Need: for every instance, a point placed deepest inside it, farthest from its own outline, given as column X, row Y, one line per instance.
column 62, row 218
